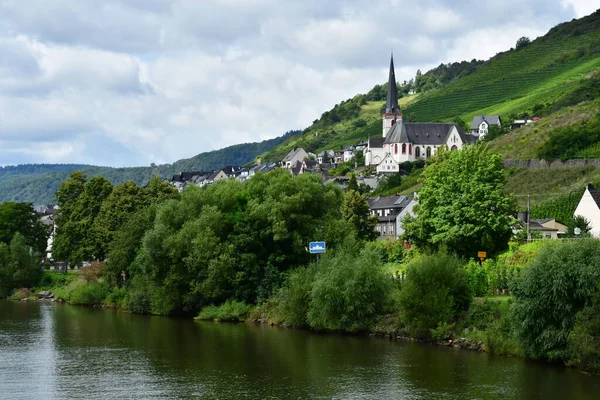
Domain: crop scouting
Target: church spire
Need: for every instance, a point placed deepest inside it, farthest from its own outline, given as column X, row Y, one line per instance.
column 391, row 105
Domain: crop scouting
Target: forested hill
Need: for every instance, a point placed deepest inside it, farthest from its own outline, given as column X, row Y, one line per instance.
column 37, row 183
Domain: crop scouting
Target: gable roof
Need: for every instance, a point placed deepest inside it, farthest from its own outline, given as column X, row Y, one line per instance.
column 490, row 119
column 424, row 133
column 293, row 153
column 595, row 193
column 376, row 141
column 397, row 202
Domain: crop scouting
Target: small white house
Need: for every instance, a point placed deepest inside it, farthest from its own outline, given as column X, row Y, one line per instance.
column 589, row 208
column 388, row 166
column 295, row 155
column 481, row 124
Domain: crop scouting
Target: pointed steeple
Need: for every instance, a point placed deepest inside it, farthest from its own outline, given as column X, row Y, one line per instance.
column 391, row 105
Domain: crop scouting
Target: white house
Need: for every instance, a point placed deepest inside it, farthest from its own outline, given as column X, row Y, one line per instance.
column 295, row 155
column 481, row 124
column 388, row 165
column 348, row 154
column 589, row 208
column 407, row 141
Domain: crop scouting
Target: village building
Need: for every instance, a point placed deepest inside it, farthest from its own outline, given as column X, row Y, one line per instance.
column 388, row 166
column 390, row 211
column 589, row 208
column 408, row 141
column 481, row 124
column 295, row 155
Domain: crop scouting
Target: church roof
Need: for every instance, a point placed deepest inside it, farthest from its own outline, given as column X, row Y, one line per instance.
column 376, row 141
column 391, row 104
column 424, row 133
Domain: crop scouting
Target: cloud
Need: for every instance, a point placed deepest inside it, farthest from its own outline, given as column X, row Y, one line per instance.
column 130, row 82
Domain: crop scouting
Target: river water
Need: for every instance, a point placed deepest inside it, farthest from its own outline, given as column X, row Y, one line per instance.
column 56, row 351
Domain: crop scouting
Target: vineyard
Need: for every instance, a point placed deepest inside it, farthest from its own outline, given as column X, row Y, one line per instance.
column 514, row 81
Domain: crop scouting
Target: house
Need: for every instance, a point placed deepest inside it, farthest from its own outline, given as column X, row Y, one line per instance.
column 550, row 228
column 388, row 166
column 390, row 211
column 589, row 208
column 348, row 154
column 407, row 141
column 325, row 157
column 231, row 170
column 481, row 123
column 309, row 166
column 297, row 154
column 338, row 157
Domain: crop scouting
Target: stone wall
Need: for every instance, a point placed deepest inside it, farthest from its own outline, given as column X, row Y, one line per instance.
column 536, row 163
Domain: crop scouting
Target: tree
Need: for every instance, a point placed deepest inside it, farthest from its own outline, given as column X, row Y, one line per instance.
column 458, row 120
column 495, row 131
column 522, row 42
column 356, row 211
column 18, row 266
column 462, row 204
column 22, row 218
column 353, row 183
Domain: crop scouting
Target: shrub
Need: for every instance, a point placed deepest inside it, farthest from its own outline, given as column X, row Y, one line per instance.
column 231, row 310
column 89, row 294
column 294, row 296
column 477, row 278
column 349, row 290
column 554, row 288
column 435, row 291
column 116, row 298
column 584, row 339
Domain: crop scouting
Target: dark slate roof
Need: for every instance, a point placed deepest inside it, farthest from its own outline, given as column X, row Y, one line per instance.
column 424, row 133
column 231, row 169
column 595, row 194
column 536, row 226
column 310, row 163
column 376, row 141
column 397, row 202
column 478, row 119
column 391, row 104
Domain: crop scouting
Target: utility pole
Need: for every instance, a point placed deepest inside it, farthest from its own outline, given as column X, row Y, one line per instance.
column 528, row 218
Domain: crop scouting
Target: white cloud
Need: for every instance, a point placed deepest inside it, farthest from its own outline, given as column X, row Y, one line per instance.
column 130, row 82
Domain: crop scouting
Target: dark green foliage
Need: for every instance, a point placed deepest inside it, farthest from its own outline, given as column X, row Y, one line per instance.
column 90, row 294
column 522, row 42
column 584, row 339
column 568, row 142
column 477, row 277
column 495, row 131
column 231, row 310
column 19, row 267
column 356, row 211
column 445, row 73
column 560, row 208
column 22, row 218
column 557, row 285
column 294, row 296
column 435, row 291
column 349, row 290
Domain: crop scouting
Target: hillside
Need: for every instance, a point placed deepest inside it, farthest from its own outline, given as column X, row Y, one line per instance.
column 545, row 76
column 37, row 183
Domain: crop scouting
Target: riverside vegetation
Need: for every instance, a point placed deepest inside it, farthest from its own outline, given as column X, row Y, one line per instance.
column 237, row 251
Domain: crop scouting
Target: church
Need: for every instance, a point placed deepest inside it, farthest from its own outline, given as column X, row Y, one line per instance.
column 409, row 141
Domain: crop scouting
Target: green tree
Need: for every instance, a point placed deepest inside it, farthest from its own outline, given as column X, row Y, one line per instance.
column 559, row 282
column 353, row 183
column 436, row 291
column 356, row 211
column 18, row 265
column 522, row 42
column 462, row 204
column 22, row 218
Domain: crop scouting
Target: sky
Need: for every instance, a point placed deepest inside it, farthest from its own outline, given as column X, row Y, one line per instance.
column 134, row 82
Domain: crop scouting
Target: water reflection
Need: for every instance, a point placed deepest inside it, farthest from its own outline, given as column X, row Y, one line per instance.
column 57, row 351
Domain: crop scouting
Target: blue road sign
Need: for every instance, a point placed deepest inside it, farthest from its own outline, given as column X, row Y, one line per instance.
column 316, row 247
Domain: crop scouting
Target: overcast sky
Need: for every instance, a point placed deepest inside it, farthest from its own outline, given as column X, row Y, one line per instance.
column 131, row 82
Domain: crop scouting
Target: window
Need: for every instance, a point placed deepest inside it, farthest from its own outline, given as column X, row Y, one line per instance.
column 453, row 148
column 396, row 148
column 403, row 148
column 410, row 149
column 428, row 152
column 417, row 152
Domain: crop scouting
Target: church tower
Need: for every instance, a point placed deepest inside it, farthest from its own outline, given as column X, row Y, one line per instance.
column 392, row 109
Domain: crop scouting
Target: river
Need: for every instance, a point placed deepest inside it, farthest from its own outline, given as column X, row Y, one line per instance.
column 56, row 351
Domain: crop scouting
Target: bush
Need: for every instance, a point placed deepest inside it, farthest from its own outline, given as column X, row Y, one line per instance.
column 435, row 291
column 349, row 290
column 116, row 298
column 231, row 310
column 557, row 285
column 477, row 278
column 89, row 294
column 584, row 339
column 294, row 296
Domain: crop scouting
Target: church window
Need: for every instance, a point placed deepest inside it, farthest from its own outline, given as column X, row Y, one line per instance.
column 410, row 148
column 396, row 148
column 453, row 148
column 428, row 152
column 403, row 148
column 417, row 152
